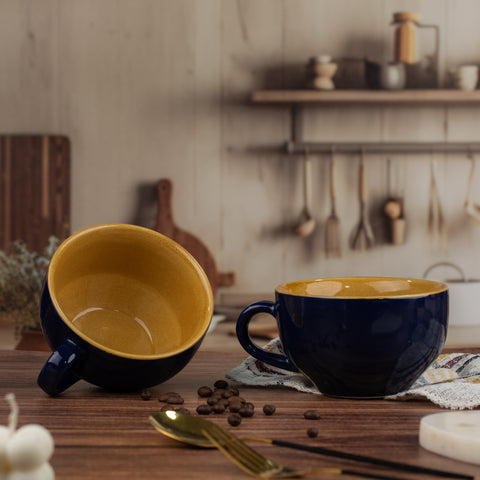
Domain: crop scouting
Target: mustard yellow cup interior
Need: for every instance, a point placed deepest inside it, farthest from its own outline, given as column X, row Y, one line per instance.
column 362, row 287
column 130, row 291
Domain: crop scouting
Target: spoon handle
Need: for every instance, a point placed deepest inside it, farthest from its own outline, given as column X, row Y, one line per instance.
column 365, row 459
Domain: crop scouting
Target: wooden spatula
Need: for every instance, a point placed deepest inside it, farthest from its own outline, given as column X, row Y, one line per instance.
column 166, row 226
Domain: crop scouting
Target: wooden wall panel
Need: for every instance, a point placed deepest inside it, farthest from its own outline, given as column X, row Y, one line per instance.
column 159, row 88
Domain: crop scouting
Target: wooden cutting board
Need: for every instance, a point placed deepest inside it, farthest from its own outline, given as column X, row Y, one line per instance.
column 166, row 226
column 34, row 189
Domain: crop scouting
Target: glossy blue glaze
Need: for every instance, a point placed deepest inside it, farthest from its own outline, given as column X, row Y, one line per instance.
column 73, row 359
column 354, row 347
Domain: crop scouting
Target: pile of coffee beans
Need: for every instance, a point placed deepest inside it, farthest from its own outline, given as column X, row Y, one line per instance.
column 224, row 398
column 220, row 399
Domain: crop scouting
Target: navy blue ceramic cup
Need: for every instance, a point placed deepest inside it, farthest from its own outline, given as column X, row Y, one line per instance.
column 355, row 337
column 123, row 307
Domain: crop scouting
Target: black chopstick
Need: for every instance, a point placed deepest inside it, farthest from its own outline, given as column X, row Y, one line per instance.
column 356, row 473
column 406, row 467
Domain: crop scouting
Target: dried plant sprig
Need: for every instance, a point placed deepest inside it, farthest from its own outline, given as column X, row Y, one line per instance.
column 21, row 278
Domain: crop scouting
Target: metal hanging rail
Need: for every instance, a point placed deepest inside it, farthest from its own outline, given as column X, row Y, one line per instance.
column 299, row 147
column 296, row 144
column 297, row 100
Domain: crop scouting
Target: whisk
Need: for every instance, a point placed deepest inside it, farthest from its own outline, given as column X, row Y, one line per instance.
column 362, row 236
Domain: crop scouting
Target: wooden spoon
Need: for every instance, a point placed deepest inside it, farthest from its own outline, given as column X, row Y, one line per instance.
column 307, row 223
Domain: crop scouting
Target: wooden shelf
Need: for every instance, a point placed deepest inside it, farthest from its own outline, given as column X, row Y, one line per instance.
column 297, row 99
column 368, row 97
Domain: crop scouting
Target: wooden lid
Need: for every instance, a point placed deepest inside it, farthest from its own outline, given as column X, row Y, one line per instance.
column 406, row 17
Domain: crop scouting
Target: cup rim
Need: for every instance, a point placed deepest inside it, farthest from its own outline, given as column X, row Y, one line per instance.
column 434, row 287
column 175, row 247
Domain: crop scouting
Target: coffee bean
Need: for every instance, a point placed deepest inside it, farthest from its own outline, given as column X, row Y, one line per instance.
column 146, row 394
column 245, row 412
column 163, row 397
column 204, row 392
column 269, row 409
column 231, row 392
column 220, row 384
column 312, row 432
column 234, row 420
column 228, row 393
column 175, row 400
column 218, row 408
column 312, row 414
column 204, row 409
column 223, row 401
column 169, row 408
column 219, row 392
column 235, row 407
column 234, row 390
column 236, row 399
column 213, row 399
column 183, row 410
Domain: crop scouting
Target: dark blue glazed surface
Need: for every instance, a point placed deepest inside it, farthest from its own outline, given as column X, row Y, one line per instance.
column 354, row 347
column 73, row 359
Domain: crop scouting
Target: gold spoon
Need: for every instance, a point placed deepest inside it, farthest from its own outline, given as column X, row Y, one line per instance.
column 189, row 429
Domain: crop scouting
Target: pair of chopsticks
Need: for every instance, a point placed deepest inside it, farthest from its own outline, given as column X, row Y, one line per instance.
column 406, row 467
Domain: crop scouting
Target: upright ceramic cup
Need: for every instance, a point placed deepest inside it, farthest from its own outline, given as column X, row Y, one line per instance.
column 123, row 307
column 355, row 337
column 465, row 77
column 392, row 76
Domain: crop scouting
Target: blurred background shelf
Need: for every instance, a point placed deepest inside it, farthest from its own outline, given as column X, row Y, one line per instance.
column 368, row 97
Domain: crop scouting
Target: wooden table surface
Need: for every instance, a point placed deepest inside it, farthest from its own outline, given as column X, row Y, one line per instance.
column 102, row 435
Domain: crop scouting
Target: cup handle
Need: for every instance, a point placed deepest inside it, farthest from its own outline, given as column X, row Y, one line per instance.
column 274, row 359
column 57, row 374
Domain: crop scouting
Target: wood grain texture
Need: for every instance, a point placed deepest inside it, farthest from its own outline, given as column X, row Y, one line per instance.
column 34, row 189
column 99, row 434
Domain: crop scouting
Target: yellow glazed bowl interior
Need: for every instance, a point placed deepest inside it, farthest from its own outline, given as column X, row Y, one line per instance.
column 130, row 291
column 362, row 287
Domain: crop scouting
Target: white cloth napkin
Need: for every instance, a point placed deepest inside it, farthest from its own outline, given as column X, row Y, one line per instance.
column 452, row 381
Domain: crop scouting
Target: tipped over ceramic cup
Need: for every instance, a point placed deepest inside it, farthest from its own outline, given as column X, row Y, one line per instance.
column 355, row 337
column 123, row 307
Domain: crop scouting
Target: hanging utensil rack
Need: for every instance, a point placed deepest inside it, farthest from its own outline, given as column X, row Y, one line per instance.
column 296, row 147
column 296, row 100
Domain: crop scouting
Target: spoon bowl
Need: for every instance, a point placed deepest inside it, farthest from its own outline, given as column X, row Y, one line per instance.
column 182, row 427
column 306, row 227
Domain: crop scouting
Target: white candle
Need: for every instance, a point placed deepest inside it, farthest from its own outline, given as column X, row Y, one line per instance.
column 24, row 453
